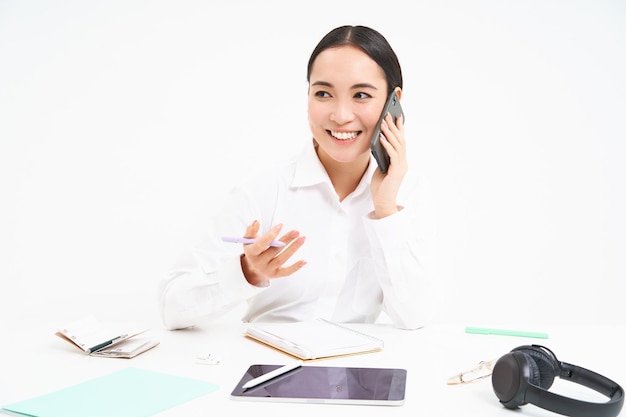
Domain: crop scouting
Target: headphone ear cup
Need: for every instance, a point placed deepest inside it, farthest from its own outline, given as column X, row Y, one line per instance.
column 514, row 371
column 508, row 381
column 534, row 372
column 544, row 366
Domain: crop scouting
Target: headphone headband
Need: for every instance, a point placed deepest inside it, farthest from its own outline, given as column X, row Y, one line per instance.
column 517, row 379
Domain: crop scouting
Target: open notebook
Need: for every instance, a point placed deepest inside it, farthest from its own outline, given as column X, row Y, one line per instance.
column 314, row 339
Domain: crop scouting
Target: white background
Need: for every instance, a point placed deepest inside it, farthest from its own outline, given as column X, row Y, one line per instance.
column 122, row 124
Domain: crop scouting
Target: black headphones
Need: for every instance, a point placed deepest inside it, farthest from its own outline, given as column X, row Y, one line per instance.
column 525, row 374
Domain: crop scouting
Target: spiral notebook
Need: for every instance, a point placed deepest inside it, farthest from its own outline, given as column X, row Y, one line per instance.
column 314, row 339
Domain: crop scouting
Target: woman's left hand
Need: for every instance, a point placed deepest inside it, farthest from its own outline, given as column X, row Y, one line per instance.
column 385, row 187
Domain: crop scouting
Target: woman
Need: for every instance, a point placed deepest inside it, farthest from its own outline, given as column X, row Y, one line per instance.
column 354, row 238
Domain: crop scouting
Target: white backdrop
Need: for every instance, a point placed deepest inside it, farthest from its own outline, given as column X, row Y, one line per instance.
column 122, row 124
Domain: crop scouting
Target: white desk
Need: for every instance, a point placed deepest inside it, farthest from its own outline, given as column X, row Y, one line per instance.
column 33, row 361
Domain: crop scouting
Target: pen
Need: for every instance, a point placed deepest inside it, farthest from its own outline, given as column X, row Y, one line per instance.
column 272, row 374
column 505, row 332
column 249, row 241
column 105, row 344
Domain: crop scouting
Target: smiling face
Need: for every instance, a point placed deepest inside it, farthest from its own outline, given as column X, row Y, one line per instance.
column 347, row 92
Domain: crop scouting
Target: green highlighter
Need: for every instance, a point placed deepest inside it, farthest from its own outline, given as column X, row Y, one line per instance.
column 505, row 332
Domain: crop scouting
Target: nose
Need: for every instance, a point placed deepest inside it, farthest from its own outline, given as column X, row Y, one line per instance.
column 342, row 112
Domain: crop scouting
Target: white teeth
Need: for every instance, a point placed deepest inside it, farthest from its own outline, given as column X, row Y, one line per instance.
column 343, row 135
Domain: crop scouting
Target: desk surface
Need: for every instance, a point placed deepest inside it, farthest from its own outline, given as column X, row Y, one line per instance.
column 33, row 362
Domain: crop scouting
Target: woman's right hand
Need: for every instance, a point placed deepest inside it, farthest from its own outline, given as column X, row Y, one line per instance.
column 261, row 262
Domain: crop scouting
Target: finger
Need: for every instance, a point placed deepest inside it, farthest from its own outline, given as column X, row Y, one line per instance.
column 289, row 270
column 289, row 237
column 389, row 147
column 391, row 131
column 283, row 256
column 252, row 229
column 394, row 136
column 400, row 122
column 265, row 240
column 270, row 264
column 386, row 135
column 285, row 271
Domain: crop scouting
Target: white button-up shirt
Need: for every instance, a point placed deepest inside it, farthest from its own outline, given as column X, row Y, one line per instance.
column 357, row 266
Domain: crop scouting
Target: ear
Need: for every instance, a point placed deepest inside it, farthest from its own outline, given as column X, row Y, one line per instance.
column 398, row 91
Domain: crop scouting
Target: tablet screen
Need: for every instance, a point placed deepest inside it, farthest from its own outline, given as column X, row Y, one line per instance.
column 326, row 384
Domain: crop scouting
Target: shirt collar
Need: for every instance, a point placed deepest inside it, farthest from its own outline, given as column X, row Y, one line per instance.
column 310, row 171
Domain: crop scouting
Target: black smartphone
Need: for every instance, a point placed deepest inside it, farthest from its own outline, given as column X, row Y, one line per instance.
column 392, row 106
column 326, row 384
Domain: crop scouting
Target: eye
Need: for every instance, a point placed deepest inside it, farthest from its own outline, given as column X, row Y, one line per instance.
column 322, row 94
column 362, row 95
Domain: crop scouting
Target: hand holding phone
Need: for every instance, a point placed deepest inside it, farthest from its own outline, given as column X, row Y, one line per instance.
column 392, row 106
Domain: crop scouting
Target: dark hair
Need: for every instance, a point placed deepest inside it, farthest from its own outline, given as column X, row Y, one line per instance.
column 369, row 41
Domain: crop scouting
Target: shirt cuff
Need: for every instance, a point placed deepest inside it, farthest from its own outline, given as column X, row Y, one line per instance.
column 391, row 231
column 238, row 287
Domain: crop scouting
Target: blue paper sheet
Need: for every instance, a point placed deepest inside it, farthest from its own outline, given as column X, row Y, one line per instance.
column 130, row 392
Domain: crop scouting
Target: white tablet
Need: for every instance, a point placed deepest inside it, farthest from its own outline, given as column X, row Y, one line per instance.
column 326, row 384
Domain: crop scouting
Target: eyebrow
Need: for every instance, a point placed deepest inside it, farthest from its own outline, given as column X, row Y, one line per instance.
column 354, row 87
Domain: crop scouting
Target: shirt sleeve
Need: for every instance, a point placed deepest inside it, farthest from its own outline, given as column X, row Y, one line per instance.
column 208, row 281
column 402, row 249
